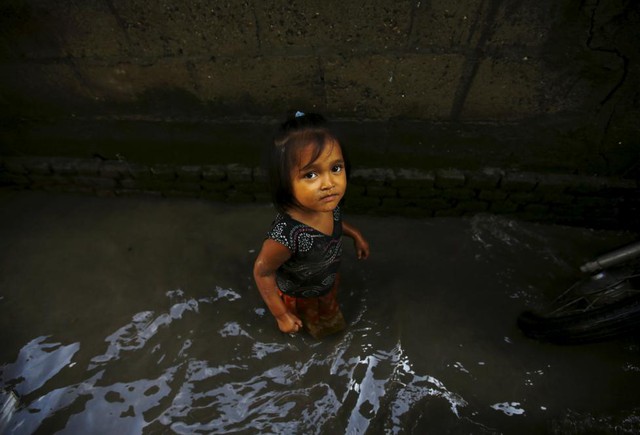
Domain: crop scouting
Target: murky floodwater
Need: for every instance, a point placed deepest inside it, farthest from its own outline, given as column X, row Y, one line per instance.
column 140, row 316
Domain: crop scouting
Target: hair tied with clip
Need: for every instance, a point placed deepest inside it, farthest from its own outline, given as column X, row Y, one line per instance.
column 299, row 114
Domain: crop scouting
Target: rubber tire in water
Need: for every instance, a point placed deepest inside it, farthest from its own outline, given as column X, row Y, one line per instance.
column 602, row 323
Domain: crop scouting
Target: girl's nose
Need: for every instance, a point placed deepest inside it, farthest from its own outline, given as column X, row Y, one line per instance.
column 327, row 183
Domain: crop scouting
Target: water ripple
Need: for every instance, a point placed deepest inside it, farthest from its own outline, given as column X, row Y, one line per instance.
column 38, row 361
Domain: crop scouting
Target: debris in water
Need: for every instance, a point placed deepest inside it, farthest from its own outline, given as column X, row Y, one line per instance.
column 509, row 408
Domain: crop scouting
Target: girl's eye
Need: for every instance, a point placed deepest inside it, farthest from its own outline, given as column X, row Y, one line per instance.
column 310, row 175
column 337, row 168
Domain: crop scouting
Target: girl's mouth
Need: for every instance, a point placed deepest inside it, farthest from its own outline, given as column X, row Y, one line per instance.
column 330, row 198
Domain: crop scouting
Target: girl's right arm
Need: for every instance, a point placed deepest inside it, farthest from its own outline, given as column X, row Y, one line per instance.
column 271, row 257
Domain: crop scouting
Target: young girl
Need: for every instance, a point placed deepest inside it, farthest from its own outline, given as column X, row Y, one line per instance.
column 296, row 270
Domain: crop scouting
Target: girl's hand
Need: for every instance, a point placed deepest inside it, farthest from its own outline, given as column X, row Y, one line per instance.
column 289, row 323
column 361, row 244
column 362, row 248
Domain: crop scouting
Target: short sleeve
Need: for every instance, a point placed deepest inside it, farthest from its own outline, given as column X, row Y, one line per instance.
column 295, row 235
column 281, row 232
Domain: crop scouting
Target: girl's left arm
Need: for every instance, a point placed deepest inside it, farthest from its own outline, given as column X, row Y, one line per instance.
column 361, row 244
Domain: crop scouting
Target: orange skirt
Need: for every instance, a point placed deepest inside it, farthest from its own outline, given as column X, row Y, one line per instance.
column 321, row 316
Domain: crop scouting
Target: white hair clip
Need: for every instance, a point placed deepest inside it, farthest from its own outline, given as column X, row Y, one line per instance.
column 299, row 114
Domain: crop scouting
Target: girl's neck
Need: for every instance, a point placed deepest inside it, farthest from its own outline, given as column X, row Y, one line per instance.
column 319, row 220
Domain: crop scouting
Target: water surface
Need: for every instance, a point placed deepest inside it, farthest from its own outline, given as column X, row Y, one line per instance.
column 139, row 315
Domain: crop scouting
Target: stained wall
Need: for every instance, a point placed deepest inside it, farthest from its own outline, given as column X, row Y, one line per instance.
column 544, row 86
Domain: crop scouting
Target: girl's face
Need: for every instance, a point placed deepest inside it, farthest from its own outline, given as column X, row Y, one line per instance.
column 319, row 185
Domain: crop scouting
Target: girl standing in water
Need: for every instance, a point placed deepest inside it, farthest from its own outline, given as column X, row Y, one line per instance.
column 296, row 270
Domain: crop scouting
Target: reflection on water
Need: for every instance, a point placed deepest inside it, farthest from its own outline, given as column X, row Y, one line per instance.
column 37, row 362
column 431, row 347
column 250, row 393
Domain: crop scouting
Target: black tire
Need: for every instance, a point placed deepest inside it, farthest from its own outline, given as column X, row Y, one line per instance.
column 602, row 323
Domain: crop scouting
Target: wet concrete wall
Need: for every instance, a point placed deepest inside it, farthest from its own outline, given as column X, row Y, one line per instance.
column 534, row 85
column 545, row 87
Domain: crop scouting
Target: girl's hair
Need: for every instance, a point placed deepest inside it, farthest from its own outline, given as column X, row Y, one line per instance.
column 297, row 132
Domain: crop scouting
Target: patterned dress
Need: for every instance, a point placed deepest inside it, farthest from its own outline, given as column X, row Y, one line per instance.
column 308, row 280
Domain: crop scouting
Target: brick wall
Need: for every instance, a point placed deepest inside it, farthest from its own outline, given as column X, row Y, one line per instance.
column 598, row 202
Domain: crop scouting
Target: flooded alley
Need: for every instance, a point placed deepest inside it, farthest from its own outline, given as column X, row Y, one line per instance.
column 140, row 315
